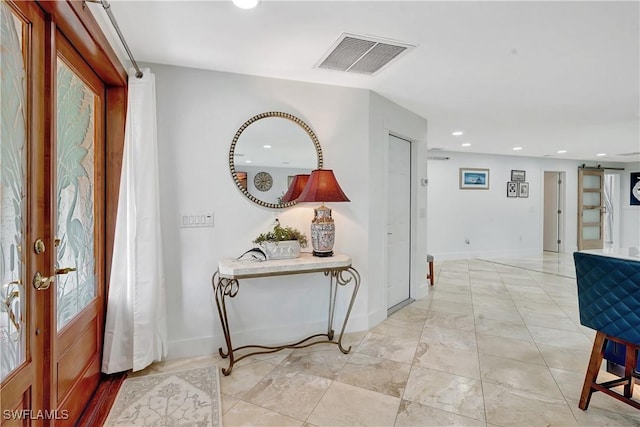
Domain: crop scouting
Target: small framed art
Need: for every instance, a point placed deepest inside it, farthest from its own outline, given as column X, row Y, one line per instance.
column 634, row 185
column 518, row 175
column 474, row 179
column 523, row 189
column 512, row 189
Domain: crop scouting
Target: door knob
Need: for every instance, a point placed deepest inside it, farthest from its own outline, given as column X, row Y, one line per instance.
column 65, row 270
column 41, row 282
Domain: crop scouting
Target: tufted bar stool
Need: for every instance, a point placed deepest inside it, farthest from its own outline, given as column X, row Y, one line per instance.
column 609, row 302
column 430, row 265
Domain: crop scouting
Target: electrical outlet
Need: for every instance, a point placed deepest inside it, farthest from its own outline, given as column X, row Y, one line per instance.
column 196, row 220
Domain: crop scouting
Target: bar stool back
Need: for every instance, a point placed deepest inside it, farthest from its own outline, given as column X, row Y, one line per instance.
column 609, row 302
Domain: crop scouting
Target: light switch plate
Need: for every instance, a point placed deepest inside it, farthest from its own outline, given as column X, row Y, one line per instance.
column 191, row 220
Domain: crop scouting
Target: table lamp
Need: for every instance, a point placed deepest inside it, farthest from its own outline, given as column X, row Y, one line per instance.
column 322, row 187
column 296, row 187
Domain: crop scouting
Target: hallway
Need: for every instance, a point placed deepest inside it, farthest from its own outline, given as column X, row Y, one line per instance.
column 493, row 345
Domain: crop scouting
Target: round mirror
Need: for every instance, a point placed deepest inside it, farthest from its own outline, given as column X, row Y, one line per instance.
column 267, row 152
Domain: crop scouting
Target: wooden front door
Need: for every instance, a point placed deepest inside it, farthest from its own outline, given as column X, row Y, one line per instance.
column 77, row 255
column 52, row 212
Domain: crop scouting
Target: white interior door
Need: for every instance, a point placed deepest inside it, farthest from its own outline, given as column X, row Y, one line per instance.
column 399, row 222
column 551, row 241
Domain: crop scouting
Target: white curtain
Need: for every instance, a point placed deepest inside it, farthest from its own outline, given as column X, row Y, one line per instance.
column 136, row 324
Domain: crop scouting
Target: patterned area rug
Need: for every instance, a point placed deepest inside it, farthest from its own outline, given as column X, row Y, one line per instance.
column 186, row 398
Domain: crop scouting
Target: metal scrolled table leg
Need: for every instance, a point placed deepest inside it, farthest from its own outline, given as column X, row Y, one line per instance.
column 339, row 277
column 223, row 287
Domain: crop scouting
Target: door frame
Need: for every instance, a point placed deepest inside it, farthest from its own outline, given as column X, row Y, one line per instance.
column 615, row 199
column 582, row 171
column 413, row 285
column 562, row 203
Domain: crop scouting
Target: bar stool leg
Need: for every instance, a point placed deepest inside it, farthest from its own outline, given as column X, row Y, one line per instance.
column 597, row 353
column 630, row 362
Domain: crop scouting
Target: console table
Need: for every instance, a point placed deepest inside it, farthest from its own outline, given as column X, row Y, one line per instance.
column 226, row 284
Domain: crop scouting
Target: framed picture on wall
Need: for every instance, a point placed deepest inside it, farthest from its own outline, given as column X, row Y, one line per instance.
column 634, row 185
column 512, row 189
column 523, row 189
column 518, row 175
column 474, row 179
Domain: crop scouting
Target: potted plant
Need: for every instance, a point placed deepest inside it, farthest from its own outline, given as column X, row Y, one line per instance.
column 281, row 242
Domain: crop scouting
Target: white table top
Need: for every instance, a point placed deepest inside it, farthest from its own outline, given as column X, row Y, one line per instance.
column 232, row 268
column 622, row 253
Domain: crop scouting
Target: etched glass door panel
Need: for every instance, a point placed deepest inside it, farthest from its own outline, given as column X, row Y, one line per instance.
column 13, row 141
column 74, row 228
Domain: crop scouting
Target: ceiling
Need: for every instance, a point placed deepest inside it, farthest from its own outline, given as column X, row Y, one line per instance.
column 541, row 75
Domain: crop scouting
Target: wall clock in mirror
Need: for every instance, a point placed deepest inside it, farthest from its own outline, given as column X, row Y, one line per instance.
column 271, row 148
column 263, row 181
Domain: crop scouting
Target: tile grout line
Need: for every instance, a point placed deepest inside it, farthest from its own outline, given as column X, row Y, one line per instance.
column 538, row 348
column 475, row 331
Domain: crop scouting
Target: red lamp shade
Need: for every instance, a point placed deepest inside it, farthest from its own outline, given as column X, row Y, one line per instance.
column 322, row 187
column 296, row 187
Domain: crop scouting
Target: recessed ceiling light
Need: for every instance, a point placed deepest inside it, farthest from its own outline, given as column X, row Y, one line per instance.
column 457, row 133
column 466, row 144
column 246, row 4
column 601, row 154
column 267, row 146
column 517, row 148
column 247, row 161
column 561, row 151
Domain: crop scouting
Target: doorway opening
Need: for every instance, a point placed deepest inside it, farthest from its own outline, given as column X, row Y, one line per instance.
column 611, row 211
column 399, row 223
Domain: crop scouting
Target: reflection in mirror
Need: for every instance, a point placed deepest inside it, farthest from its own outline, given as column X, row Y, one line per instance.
column 267, row 152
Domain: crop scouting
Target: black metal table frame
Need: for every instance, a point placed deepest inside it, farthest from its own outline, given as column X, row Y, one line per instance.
column 228, row 287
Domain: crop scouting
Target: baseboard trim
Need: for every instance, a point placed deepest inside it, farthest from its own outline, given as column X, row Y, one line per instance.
column 201, row 346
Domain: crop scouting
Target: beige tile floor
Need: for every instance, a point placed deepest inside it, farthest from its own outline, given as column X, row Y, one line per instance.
column 492, row 345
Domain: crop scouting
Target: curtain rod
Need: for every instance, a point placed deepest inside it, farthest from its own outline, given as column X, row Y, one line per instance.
column 107, row 8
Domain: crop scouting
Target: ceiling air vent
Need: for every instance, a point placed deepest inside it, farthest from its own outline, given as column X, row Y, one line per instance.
column 362, row 54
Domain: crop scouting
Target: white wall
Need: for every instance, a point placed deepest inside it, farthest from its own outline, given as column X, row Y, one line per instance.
column 387, row 117
column 198, row 114
column 495, row 225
